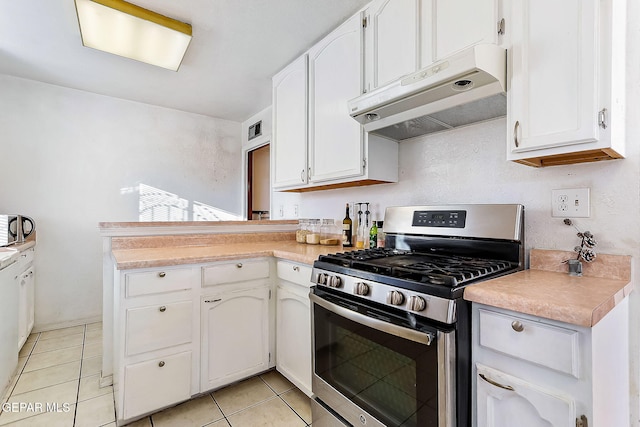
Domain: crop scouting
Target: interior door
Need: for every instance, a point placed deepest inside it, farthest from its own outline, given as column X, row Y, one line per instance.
column 258, row 183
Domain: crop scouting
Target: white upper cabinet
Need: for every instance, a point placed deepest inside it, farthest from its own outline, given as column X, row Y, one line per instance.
column 290, row 125
column 450, row 26
column 560, row 68
column 316, row 143
column 392, row 41
column 335, row 76
column 402, row 36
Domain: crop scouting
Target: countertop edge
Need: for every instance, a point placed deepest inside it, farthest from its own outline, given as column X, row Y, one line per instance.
column 509, row 293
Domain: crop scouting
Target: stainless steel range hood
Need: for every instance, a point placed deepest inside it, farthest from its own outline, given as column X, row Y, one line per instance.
column 464, row 88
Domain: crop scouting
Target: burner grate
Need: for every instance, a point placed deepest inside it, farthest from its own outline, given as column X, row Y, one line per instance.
column 434, row 269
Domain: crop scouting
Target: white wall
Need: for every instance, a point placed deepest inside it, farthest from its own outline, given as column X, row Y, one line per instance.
column 72, row 159
column 468, row 165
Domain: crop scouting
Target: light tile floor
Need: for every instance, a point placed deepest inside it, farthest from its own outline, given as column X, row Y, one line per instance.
column 57, row 386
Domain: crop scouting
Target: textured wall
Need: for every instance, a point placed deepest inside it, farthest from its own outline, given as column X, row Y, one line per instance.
column 72, row 159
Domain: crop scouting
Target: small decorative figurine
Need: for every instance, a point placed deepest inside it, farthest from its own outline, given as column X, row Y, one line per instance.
column 585, row 250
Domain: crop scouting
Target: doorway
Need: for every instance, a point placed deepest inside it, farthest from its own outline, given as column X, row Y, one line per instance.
column 258, row 183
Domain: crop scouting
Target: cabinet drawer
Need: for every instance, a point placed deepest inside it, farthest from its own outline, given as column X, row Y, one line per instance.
column 158, row 326
column 547, row 345
column 154, row 384
column 26, row 257
column 239, row 271
column 159, row 281
column 296, row 273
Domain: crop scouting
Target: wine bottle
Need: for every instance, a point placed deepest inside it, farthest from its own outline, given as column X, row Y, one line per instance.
column 347, row 229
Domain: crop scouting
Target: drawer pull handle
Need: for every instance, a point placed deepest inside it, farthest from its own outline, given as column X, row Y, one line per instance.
column 161, row 364
column 212, row 300
column 163, row 308
column 517, row 326
column 162, row 274
column 494, row 383
column 296, row 268
column 239, row 265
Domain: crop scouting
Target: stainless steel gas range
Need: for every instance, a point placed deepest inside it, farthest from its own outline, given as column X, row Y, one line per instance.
column 391, row 332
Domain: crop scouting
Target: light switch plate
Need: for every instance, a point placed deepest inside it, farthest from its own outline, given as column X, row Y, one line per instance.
column 571, row 203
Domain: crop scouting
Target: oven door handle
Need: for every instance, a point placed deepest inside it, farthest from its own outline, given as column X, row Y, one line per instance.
column 380, row 325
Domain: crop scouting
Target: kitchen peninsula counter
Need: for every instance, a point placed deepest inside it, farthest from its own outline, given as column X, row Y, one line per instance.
column 546, row 289
column 159, row 244
column 177, row 255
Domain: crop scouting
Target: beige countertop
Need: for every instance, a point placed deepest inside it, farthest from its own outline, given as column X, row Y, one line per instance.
column 546, row 289
column 197, row 254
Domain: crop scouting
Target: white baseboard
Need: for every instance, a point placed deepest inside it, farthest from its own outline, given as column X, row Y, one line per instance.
column 67, row 324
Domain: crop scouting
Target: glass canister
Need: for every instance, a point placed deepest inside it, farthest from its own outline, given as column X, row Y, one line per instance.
column 329, row 232
column 302, row 231
column 313, row 236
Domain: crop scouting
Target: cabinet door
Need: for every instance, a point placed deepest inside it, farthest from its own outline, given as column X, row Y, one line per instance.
column 450, row 26
column 235, row 336
column 507, row 401
column 392, row 41
column 293, row 335
column 25, row 306
column 335, row 77
column 553, row 95
column 290, row 125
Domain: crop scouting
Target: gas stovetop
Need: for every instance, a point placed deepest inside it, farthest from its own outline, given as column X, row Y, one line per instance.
column 432, row 254
column 424, row 268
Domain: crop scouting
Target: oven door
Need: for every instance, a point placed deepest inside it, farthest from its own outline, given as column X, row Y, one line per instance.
column 377, row 368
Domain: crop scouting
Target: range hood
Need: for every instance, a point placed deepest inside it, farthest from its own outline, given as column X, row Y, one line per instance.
column 464, row 88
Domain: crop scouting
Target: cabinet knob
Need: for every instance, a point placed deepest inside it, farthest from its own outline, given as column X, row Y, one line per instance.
column 517, row 326
column 162, row 274
column 239, row 265
column 296, row 268
column 163, row 308
column 161, row 364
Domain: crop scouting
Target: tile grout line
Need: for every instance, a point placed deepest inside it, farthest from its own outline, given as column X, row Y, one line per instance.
column 19, row 373
column 75, row 410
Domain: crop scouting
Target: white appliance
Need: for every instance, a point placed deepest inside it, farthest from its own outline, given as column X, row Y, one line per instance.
column 464, row 88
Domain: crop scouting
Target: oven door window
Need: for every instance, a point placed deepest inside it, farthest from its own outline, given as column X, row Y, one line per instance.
column 392, row 378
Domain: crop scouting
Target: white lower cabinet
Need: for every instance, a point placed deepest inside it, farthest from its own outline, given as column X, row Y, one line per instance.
column 535, row 372
column 293, row 324
column 183, row 331
column 155, row 340
column 235, row 335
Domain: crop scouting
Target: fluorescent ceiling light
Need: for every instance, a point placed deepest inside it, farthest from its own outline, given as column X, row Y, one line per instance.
column 125, row 29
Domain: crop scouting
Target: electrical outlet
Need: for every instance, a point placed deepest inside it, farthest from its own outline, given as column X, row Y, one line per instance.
column 295, row 211
column 570, row 203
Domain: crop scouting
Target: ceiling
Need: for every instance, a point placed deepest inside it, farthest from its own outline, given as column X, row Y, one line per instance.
column 237, row 46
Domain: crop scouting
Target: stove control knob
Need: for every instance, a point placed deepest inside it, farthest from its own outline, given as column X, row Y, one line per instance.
column 416, row 303
column 395, row 298
column 334, row 281
column 361, row 288
column 322, row 279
